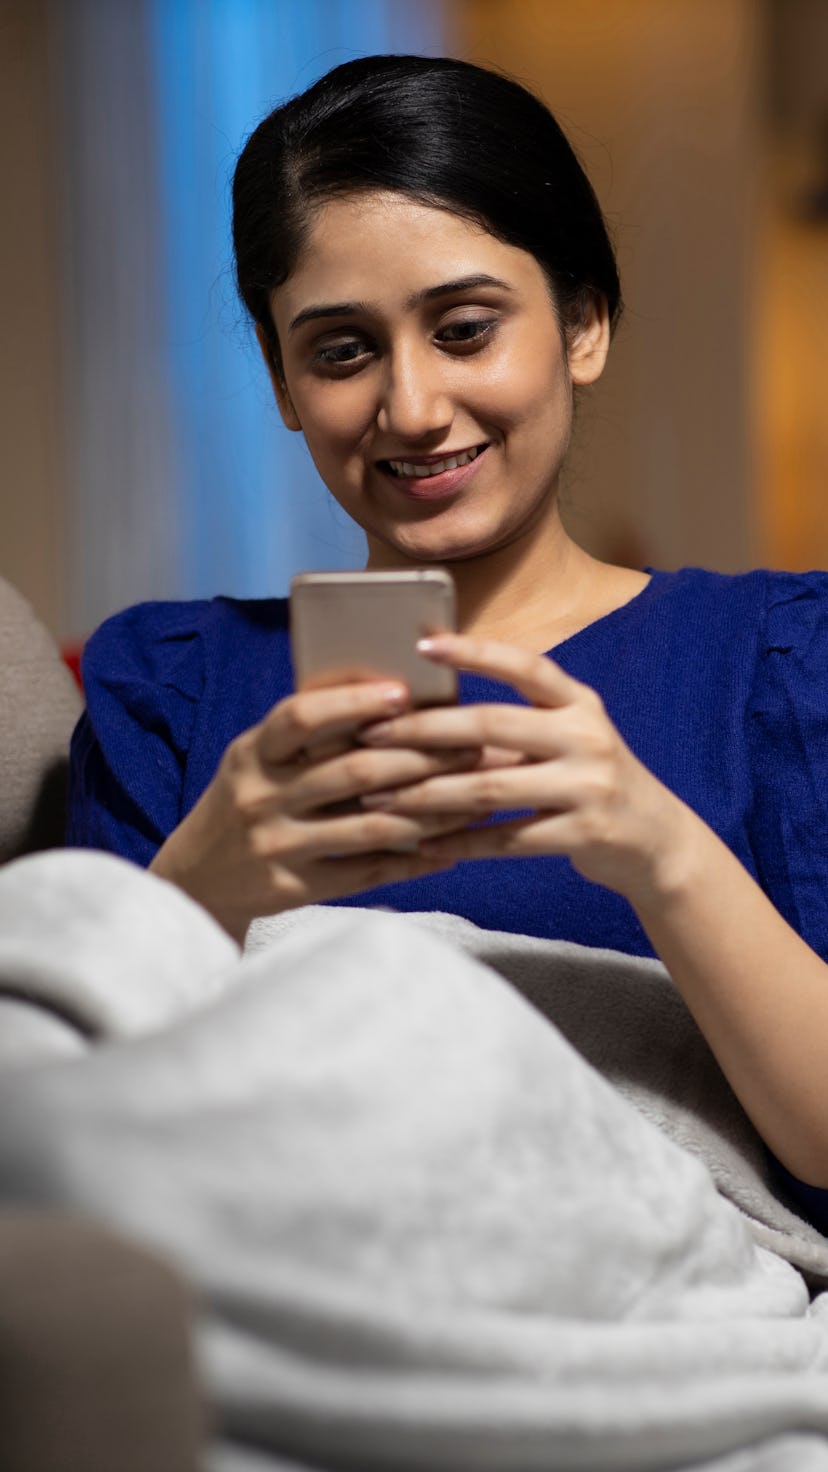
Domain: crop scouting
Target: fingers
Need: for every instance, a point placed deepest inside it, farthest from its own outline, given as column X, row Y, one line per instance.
column 515, row 838
column 345, row 788
column 240, row 854
column 523, row 729
column 325, row 714
column 360, row 771
column 535, row 676
column 477, row 794
column 342, row 835
column 327, row 880
column 543, row 787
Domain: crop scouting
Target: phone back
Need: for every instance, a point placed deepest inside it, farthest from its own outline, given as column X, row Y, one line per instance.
column 358, row 626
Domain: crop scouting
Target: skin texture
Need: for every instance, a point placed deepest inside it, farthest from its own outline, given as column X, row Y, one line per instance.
column 404, row 375
column 382, row 363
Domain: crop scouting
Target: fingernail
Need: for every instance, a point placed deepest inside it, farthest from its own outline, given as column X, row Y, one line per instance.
column 395, row 695
column 432, row 647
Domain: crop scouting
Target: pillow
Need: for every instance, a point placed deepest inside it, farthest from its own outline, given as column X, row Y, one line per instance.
column 39, row 705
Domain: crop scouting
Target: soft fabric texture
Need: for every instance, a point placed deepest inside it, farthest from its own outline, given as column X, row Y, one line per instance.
column 73, row 979
column 428, row 1234
column 716, row 683
column 39, row 705
column 624, row 1017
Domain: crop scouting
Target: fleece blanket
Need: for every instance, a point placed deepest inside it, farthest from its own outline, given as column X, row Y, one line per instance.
column 429, row 1231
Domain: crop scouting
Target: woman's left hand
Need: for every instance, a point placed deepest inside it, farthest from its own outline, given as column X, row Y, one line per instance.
column 589, row 797
column 560, row 757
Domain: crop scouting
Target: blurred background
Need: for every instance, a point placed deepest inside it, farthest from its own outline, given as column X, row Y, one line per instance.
column 141, row 454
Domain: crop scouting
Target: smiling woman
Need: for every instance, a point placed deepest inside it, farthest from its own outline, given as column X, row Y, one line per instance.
column 446, row 349
column 431, row 282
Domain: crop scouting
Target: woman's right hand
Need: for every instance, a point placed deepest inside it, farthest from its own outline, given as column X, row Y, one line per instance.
column 270, row 833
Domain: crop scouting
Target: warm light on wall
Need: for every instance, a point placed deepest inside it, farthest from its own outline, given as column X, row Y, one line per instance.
column 662, row 103
column 790, row 389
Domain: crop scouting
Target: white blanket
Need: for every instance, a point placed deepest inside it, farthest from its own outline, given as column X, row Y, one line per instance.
column 428, row 1234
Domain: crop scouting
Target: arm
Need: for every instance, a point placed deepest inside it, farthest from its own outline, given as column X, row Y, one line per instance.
column 758, row 992
column 143, row 678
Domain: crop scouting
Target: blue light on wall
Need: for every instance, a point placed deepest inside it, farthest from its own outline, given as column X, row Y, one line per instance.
column 251, row 508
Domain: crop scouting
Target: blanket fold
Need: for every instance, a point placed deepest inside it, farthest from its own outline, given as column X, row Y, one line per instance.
column 428, row 1232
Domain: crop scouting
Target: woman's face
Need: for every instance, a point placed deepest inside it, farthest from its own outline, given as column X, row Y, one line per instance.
column 423, row 362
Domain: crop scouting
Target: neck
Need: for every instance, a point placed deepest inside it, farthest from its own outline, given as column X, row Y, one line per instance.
column 525, row 594
column 533, row 592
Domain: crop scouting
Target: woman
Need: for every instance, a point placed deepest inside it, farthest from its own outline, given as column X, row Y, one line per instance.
column 431, row 282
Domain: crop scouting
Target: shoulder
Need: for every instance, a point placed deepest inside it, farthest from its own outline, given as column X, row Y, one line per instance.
column 714, row 589
column 792, row 657
column 763, row 603
column 174, row 645
column 787, row 738
column 762, row 583
column 797, row 609
column 153, row 676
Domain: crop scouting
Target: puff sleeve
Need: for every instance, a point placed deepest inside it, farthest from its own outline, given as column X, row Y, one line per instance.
column 143, row 677
column 788, row 738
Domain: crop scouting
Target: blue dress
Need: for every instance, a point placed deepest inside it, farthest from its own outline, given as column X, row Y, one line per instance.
column 718, row 684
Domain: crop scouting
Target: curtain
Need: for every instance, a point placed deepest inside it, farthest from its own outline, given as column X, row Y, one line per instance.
column 184, row 482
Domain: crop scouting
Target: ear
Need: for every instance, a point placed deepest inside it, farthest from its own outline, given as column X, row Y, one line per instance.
column 289, row 416
column 588, row 341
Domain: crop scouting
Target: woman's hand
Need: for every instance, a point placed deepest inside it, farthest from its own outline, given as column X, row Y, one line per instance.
column 561, row 758
column 280, row 824
column 757, row 991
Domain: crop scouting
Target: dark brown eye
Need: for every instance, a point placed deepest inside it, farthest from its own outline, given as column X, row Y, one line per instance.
column 467, row 331
column 343, row 354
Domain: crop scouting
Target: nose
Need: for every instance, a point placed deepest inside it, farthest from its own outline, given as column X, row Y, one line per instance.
column 414, row 402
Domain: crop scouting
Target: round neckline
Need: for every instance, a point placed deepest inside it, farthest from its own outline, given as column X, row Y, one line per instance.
column 569, row 651
column 654, row 577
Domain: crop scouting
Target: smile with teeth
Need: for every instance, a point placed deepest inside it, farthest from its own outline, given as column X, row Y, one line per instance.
column 423, row 470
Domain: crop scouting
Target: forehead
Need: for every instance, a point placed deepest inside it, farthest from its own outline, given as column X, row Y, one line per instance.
column 377, row 246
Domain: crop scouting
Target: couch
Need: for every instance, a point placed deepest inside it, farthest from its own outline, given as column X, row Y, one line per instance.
column 96, row 1365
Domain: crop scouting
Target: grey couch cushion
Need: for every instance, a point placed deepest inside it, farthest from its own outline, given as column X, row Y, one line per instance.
column 39, row 704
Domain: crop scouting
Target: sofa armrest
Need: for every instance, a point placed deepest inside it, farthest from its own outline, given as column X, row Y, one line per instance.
column 96, row 1369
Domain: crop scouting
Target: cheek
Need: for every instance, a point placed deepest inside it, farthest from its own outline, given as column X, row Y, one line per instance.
column 333, row 420
column 532, row 386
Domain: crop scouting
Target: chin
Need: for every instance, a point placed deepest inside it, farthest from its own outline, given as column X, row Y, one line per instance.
column 438, row 552
column 437, row 541
column 461, row 547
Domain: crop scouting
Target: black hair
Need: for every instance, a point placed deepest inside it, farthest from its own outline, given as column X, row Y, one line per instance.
column 445, row 133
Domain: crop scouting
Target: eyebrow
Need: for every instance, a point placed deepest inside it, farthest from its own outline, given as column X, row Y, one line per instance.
column 428, row 294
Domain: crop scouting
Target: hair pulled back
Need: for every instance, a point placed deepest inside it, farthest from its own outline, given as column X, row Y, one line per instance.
column 444, row 132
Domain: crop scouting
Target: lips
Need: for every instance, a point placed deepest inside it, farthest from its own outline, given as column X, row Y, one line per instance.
column 433, row 477
column 427, row 467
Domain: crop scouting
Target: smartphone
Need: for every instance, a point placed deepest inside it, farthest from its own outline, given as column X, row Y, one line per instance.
column 348, row 626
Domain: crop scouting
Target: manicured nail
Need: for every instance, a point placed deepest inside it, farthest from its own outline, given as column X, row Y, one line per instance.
column 395, row 696
column 432, row 647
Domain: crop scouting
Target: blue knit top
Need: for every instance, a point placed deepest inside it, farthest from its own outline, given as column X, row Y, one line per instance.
column 718, row 684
